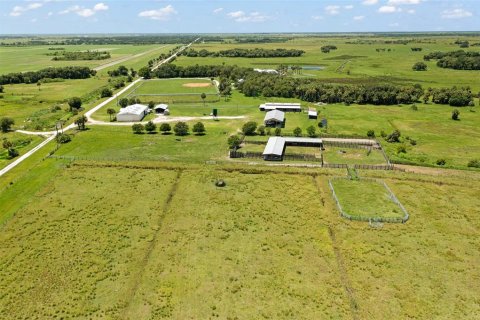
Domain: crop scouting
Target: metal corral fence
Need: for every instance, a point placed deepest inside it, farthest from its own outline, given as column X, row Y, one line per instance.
column 259, row 155
column 335, row 165
column 374, row 167
column 346, row 215
column 349, row 145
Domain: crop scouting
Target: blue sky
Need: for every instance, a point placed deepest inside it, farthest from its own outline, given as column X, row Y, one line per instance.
column 230, row 16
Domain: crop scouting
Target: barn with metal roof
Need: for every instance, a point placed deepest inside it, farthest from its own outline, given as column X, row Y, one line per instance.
column 132, row 113
column 274, row 119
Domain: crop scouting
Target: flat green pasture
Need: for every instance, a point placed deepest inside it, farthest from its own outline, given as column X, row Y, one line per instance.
column 352, row 156
column 365, row 198
column 187, row 249
column 33, row 58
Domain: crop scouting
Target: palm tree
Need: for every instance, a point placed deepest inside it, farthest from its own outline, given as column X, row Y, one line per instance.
column 111, row 112
column 203, row 96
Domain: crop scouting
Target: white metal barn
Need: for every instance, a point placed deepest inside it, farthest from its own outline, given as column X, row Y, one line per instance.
column 132, row 113
column 275, row 118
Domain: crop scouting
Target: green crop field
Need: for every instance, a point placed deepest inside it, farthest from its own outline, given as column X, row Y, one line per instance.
column 172, row 86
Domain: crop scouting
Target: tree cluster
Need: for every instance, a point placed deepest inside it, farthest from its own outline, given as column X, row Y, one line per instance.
column 328, row 48
column 245, row 53
column 459, row 60
column 169, row 70
column 416, row 49
column 51, row 73
column 456, row 97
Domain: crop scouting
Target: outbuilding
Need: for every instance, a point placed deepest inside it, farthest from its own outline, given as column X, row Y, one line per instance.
column 160, row 108
column 312, row 114
column 274, row 149
column 132, row 113
column 282, row 106
column 274, row 119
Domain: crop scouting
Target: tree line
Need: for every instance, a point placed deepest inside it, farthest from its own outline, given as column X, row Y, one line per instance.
column 169, row 70
column 80, row 55
column 312, row 90
column 51, row 73
column 245, row 53
column 459, row 60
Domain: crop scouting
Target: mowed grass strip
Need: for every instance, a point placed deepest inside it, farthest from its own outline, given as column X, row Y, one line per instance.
column 256, row 248
column 176, row 86
column 365, row 198
column 73, row 250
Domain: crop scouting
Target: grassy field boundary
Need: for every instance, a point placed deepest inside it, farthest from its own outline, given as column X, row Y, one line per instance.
column 392, row 197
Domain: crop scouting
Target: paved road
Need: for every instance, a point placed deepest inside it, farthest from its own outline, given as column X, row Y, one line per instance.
column 87, row 114
column 112, row 63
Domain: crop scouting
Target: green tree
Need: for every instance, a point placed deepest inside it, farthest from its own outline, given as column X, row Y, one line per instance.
column 138, row 128
column 181, row 128
column 74, row 103
column 419, row 66
column 297, row 132
column 1, row 89
column 455, row 114
column 80, row 122
column 106, row 92
column 63, row 138
column 261, row 130
column 234, row 141
column 278, row 132
column 6, row 124
column 111, row 112
column 39, row 84
column 151, row 127
column 199, row 128
column 151, row 104
column 123, row 102
column 203, row 96
column 370, row 133
column 165, row 128
column 311, row 131
column 394, row 136
column 249, row 128
column 145, row 73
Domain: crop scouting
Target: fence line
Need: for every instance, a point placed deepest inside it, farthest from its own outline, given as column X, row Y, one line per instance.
column 346, row 215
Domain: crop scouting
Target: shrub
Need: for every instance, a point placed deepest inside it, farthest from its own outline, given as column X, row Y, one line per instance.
column 6, row 124
column 441, row 162
column 12, row 153
column 371, row 133
column 297, row 132
column 278, row 131
column 165, row 128
column 474, row 163
column 123, row 102
column 138, row 128
column 455, row 114
column 199, row 128
column 151, row 127
column 249, row 128
column 413, row 142
column 63, row 138
column 414, row 107
column 234, row 141
column 401, row 149
column 106, row 92
column 151, row 104
column 181, row 128
column 1, row 89
column 74, row 103
column 383, row 134
column 394, row 137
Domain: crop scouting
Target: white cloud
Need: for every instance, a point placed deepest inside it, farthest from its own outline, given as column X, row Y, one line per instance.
column 358, row 18
column 387, row 9
column 85, row 12
column 369, row 2
column 100, row 7
column 241, row 16
column 332, row 10
column 19, row 10
column 162, row 14
column 402, row 2
column 218, row 10
column 317, row 17
column 395, row 24
column 348, row 7
column 411, row 11
column 456, row 14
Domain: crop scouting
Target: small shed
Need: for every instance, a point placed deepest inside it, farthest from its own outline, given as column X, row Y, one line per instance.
column 312, row 114
column 274, row 119
column 274, row 149
column 132, row 113
column 160, row 108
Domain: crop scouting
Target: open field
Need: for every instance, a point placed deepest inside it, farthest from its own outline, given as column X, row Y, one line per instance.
column 33, row 58
column 352, row 156
column 166, row 256
column 172, row 86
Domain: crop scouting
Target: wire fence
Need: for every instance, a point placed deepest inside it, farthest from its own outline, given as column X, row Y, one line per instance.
column 371, row 219
column 259, row 155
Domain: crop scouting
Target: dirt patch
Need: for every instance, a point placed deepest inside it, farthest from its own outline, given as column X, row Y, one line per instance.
column 196, row 85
